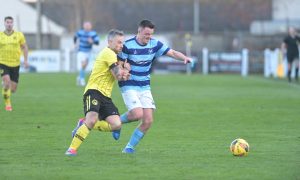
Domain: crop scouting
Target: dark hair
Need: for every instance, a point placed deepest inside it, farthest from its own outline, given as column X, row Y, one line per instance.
column 114, row 32
column 146, row 23
column 8, row 17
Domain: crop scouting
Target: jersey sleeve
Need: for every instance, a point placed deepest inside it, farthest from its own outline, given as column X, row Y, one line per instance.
column 110, row 59
column 96, row 38
column 122, row 56
column 161, row 49
column 22, row 39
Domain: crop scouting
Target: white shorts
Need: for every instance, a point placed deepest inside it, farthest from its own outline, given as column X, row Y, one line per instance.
column 134, row 99
column 83, row 57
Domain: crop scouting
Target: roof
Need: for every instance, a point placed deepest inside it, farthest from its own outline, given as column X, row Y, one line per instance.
column 25, row 18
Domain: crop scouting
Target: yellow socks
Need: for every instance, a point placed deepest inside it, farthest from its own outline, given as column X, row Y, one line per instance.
column 102, row 126
column 6, row 95
column 79, row 137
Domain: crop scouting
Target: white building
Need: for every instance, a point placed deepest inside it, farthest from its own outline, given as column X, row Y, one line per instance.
column 25, row 20
column 285, row 13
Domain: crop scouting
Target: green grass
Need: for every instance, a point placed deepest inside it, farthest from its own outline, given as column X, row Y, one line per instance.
column 196, row 119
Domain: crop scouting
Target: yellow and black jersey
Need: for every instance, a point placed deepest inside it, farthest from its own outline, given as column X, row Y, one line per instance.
column 10, row 48
column 101, row 78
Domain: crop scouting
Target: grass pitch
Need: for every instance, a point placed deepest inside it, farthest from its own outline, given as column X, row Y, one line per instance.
column 196, row 119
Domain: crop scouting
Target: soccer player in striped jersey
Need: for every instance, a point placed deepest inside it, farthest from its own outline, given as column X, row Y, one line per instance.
column 97, row 95
column 84, row 40
column 11, row 44
column 140, row 51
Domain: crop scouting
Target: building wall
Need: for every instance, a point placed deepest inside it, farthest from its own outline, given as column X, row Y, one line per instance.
column 286, row 9
column 168, row 15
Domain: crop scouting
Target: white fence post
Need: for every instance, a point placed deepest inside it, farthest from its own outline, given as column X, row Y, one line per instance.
column 205, row 61
column 67, row 58
column 244, row 70
column 267, row 54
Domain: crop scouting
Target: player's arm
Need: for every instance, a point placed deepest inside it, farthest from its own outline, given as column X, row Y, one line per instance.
column 125, row 65
column 24, row 48
column 96, row 39
column 179, row 56
column 283, row 47
column 119, row 72
column 76, row 40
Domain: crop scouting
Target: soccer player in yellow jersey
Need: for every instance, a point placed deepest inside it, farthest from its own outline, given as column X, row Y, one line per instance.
column 96, row 99
column 11, row 44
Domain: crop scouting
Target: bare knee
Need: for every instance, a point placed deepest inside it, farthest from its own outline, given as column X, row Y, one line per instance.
column 90, row 119
column 6, row 82
column 13, row 90
column 146, row 124
column 135, row 114
column 115, row 124
column 84, row 64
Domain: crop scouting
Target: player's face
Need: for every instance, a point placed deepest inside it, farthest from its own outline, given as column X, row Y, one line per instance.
column 116, row 44
column 8, row 23
column 87, row 26
column 145, row 34
column 292, row 31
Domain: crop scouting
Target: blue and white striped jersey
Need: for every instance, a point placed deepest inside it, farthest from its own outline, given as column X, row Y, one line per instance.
column 140, row 58
column 82, row 36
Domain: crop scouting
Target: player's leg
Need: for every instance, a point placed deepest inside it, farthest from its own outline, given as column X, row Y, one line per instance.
column 100, row 125
column 134, row 106
column 135, row 110
column 140, row 131
column 296, row 63
column 14, row 86
column 14, row 78
column 110, row 113
column 82, row 132
column 6, row 89
column 114, row 122
column 147, row 120
column 108, row 119
column 84, row 64
column 6, row 92
column 81, row 65
column 289, row 69
column 91, row 101
column 79, row 123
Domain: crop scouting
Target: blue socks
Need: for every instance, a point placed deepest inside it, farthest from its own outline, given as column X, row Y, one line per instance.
column 124, row 118
column 135, row 138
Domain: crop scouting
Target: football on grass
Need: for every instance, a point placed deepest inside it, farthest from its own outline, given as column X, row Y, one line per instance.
column 239, row 147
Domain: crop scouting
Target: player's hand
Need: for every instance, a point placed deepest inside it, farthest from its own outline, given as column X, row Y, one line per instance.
column 126, row 75
column 26, row 64
column 187, row 60
column 90, row 40
column 126, row 66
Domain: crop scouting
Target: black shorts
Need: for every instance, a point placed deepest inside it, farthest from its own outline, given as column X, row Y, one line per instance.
column 13, row 72
column 95, row 101
column 292, row 57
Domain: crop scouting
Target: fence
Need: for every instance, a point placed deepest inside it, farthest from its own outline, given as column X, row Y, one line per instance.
column 232, row 62
column 204, row 62
column 275, row 64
